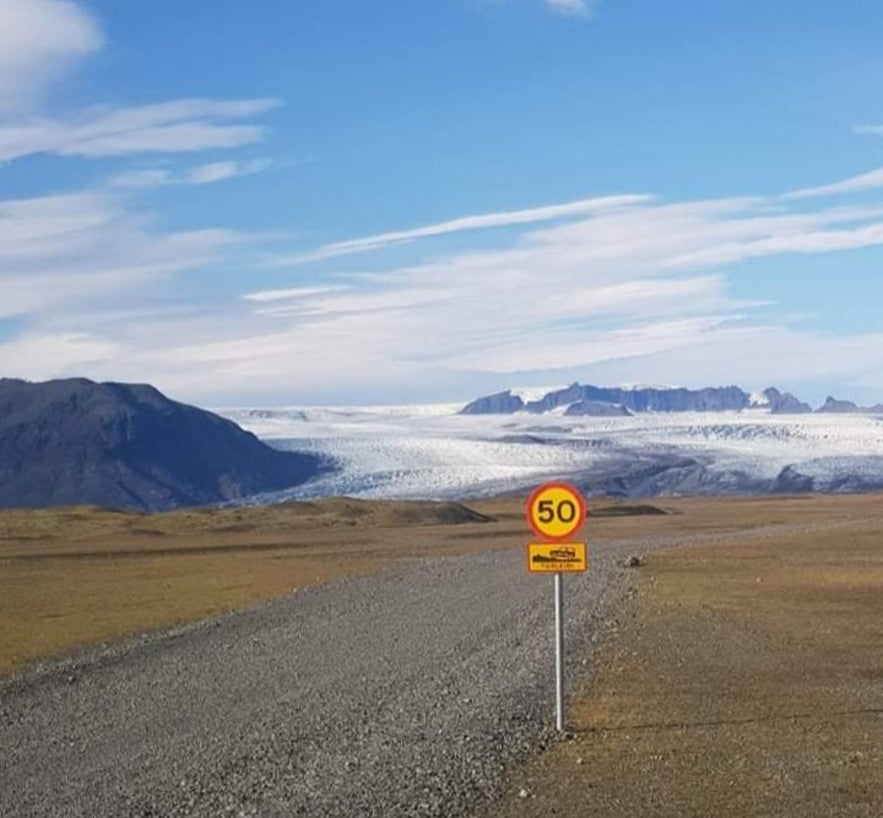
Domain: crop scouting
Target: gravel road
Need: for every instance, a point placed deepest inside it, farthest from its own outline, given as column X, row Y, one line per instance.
column 402, row 694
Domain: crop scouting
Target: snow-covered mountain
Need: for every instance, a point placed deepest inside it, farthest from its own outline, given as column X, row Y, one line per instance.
column 617, row 400
column 438, row 452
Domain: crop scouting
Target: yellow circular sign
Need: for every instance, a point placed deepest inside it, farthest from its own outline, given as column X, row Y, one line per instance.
column 556, row 511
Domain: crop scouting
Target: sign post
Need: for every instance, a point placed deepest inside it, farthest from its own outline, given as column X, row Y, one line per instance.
column 559, row 652
column 555, row 512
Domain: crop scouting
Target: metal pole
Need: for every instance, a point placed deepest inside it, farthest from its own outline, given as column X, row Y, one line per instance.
column 559, row 652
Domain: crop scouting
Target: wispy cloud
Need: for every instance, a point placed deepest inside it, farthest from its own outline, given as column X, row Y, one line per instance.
column 180, row 126
column 856, row 184
column 566, row 298
column 78, row 252
column 199, row 175
column 39, row 40
column 292, row 293
column 873, row 130
column 220, row 171
column 806, row 242
column 68, row 351
column 616, row 288
column 42, row 40
column 634, row 289
column 572, row 8
column 466, row 223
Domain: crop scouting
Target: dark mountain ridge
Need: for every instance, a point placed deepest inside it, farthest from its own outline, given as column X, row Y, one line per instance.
column 128, row 446
column 649, row 399
column 785, row 403
column 606, row 401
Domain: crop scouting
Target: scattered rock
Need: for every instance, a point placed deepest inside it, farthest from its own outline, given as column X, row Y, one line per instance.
column 634, row 561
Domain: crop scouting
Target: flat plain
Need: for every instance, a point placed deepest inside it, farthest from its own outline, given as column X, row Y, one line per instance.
column 736, row 672
column 75, row 577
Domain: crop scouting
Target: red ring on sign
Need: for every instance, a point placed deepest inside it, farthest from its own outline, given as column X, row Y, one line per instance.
column 579, row 522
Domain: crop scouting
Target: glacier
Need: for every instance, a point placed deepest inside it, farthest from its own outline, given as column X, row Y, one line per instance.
column 432, row 452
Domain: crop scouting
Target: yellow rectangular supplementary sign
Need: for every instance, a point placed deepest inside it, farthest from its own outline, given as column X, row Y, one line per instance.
column 557, row 557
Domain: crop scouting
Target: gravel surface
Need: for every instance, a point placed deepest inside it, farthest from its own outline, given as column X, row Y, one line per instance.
column 402, row 694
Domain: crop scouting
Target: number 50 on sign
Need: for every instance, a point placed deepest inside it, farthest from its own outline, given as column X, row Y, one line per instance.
column 556, row 511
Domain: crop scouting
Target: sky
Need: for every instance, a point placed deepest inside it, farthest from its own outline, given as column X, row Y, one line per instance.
column 408, row 201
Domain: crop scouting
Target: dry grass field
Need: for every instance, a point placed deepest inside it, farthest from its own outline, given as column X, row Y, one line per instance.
column 742, row 679
column 71, row 578
column 76, row 577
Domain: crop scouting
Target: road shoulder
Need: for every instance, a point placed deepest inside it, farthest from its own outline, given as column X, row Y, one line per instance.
column 739, row 679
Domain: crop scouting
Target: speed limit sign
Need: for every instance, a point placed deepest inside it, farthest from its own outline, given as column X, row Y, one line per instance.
column 556, row 511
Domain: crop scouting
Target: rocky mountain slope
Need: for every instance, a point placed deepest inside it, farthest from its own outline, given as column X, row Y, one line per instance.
column 785, row 403
column 128, row 446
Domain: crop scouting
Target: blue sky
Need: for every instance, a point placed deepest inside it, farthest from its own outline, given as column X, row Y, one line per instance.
column 416, row 200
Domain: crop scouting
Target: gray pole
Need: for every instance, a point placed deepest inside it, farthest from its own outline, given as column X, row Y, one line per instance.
column 559, row 652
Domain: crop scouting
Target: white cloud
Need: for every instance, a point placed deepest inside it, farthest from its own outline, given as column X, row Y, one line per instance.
column 563, row 348
column 463, row 224
column 573, row 8
column 39, row 40
column 220, row 171
column 758, row 356
column 86, row 251
column 292, row 293
column 618, row 286
column 199, row 175
column 56, row 353
column 825, row 241
column 144, row 178
column 873, row 130
column 639, row 291
column 172, row 127
column 856, row 184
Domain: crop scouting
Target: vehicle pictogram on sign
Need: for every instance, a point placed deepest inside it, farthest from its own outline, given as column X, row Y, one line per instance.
column 554, row 558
